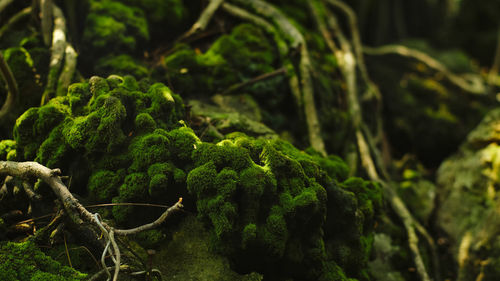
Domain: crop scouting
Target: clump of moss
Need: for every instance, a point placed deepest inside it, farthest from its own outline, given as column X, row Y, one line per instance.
column 8, row 150
column 24, row 261
column 117, row 134
column 271, row 204
column 112, row 27
column 241, row 55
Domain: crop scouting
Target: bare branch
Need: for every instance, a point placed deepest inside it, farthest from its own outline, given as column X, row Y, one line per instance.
column 77, row 212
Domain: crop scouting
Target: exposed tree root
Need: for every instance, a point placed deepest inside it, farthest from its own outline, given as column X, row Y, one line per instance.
column 371, row 160
column 471, row 83
column 296, row 41
column 62, row 51
column 204, row 18
column 15, row 19
column 78, row 213
column 12, row 91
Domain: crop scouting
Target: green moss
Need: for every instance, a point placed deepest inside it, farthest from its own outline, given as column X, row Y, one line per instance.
column 266, row 210
column 23, row 261
column 243, row 54
column 183, row 143
column 120, row 65
column 144, row 123
column 111, row 23
column 7, row 147
column 149, row 149
column 150, row 239
column 103, row 184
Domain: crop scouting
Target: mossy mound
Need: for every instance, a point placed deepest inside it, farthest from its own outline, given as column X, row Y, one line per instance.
column 468, row 189
column 280, row 211
column 271, row 208
column 25, row 262
column 118, row 138
column 111, row 28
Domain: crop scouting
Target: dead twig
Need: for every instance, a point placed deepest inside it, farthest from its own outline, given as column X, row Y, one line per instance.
column 254, row 80
column 74, row 209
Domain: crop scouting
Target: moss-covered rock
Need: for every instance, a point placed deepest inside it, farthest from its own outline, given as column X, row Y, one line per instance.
column 25, row 262
column 467, row 189
column 272, row 206
column 108, row 133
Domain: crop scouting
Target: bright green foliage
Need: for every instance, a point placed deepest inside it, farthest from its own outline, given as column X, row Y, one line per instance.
column 8, row 150
column 118, row 136
column 111, row 23
column 243, row 54
column 103, row 184
column 271, row 204
column 25, row 262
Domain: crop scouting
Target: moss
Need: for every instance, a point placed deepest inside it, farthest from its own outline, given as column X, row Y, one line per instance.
column 149, row 149
column 241, row 55
column 144, row 123
column 150, row 239
column 267, row 210
column 183, row 143
column 7, row 147
column 120, row 65
column 103, row 184
column 23, row 261
column 111, row 23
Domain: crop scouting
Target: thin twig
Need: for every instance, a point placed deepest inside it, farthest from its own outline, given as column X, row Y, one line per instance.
column 73, row 208
column 254, row 80
column 12, row 91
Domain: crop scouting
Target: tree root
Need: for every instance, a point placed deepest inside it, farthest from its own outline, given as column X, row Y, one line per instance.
column 76, row 212
column 471, row 83
column 296, row 41
column 370, row 156
column 12, row 92
column 59, row 76
column 15, row 19
column 204, row 18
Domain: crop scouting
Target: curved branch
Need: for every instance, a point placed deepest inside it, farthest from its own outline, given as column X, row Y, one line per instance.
column 471, row 83
column 73, row 208
column 12, row 91
column 204, row 18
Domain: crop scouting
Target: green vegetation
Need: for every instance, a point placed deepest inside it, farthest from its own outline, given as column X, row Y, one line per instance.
column 25, row 262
